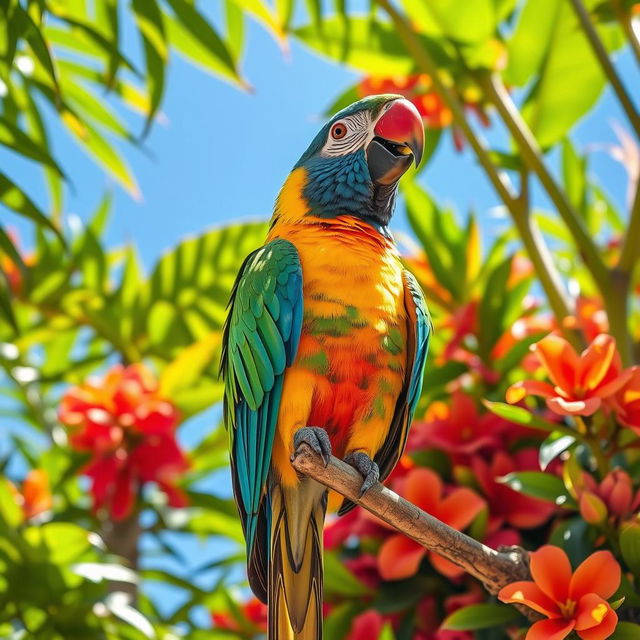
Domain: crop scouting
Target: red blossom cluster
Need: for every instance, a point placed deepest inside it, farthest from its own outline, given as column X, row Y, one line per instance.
column 128, row 429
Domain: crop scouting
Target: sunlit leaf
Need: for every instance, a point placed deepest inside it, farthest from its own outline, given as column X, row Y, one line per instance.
column 196, row 39
column 479, row 616
column 152, row 31
column 19, row 141
column 104, row 154
column 14, row 198
column 539, row 485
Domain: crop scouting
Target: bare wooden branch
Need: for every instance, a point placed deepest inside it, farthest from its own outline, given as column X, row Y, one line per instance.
column 494, row 569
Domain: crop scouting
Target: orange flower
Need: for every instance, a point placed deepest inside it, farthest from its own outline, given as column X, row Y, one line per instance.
column 570, row 600
column 399, row 557
column 580, row 382
column 35, row 497
column 589, row 317
column 129, row 430
column 36, row 493
column 626, row 401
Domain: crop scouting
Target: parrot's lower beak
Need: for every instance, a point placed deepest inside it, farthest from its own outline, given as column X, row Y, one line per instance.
column 398, row 140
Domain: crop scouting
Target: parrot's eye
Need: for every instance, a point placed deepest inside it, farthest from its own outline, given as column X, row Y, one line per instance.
column 338, row 131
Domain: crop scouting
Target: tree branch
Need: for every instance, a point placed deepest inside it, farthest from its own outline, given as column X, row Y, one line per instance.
column 494, row 569
column 607, row 66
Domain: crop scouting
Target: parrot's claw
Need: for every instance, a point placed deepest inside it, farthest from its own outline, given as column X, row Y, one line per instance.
column 317, row 438
column 367, row 468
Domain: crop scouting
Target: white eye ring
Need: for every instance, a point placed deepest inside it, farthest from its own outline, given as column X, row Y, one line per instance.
column 338, row 130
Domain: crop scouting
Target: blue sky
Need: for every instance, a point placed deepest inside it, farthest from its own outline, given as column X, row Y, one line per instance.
column 223, row 154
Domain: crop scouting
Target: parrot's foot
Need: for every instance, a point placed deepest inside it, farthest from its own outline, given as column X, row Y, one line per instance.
column 367, row 468
column 317, row 438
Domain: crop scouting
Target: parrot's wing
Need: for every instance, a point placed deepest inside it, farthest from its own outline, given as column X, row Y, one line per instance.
column 261, row 337
column 419, row 329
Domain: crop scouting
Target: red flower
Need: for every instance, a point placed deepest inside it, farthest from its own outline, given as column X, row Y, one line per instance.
column 505, row 504
column 253, row 622
column 456, row 428
column 365, row 568
column 129, row 430
column 366, row 626
column 570, row 600
column 417, row 89
column 626, row 401
column 399, row 557
column 580, row 382
column 613, row 498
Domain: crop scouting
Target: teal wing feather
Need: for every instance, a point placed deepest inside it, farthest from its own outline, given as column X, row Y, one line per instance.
column 419, row 329
column 261, row 339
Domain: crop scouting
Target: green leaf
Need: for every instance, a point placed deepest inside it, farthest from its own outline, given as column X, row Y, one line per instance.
column 539, row 485
column 574, row 175
column 471, row 21
column 38, row 45
column 339, row 580
column 196, row 39
column 234, row 19
column 264, row 13
column 105, row 155
column 479, row 616
column 10, row 512
column 630, row 547
column 18, row 201
column 530, row 41
column 570, row 80
column 152, row 31
column 626, row 631
column 555, row 444
column 14, row 138
column 364, row 44
column 519, row 415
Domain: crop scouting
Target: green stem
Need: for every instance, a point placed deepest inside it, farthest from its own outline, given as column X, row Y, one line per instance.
column 631, row 246
column 534, row 243
column 616, row 300
column 607, row 66
column 532, row 155
column 624, row 19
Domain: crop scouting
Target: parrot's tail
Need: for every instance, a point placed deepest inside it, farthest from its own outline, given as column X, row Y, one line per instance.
column 295, row 573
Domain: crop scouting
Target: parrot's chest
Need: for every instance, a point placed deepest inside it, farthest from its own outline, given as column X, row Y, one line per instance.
column 354, row 332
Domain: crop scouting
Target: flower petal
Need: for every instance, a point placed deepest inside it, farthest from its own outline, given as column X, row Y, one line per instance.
column 576, row 407
column 399, row 557
column 423, row 487
column 603, row 630
column 551, row 571
column 599, row 573
column 556, row 629
column 519, row 390
column 591, row 611
column 460, row 507
column 596, row 360
column 529, row 593
column 445, row 567
column 560, row 360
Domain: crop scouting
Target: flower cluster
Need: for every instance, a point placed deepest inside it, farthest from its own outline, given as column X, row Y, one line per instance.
column 128, row 429
column 585, row 383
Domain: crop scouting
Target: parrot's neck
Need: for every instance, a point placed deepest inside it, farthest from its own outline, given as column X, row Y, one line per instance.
column 325, row 189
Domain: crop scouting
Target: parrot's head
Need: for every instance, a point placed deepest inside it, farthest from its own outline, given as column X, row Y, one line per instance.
column 354, row 163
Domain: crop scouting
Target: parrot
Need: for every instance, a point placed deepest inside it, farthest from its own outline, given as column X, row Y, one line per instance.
column 325, row 343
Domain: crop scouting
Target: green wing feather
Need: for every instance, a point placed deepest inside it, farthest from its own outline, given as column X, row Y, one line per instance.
column 261, row 338
column 419, row 329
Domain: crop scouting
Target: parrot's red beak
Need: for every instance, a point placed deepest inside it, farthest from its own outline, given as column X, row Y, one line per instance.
column 398, row 139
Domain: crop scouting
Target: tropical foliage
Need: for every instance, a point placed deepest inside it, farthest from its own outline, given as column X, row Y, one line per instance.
column 528, row 430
